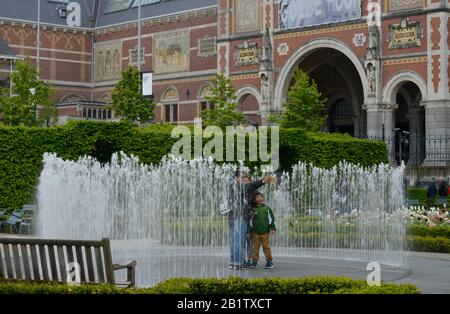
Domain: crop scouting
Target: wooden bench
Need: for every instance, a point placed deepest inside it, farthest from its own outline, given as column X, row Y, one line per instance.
column 46, row 261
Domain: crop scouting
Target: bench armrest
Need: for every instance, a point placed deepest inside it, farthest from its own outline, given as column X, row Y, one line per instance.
column 131, row 271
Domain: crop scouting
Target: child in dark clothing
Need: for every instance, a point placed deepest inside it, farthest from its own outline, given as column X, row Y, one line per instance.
column 262, row 225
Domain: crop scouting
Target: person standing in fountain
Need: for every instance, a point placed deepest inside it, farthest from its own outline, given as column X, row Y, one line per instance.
column 262, row 225
column 240, row 198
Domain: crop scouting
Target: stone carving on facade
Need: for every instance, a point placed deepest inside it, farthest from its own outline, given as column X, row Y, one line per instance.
column 372, row 79
column 373, row 40
column 266, row 71
column 108, row 62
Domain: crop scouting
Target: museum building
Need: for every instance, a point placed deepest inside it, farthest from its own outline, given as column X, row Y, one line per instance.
column 383, row 66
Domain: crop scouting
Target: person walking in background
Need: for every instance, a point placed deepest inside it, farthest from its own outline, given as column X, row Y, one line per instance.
column 262, row 225
column 431, row 193
column 443, row 189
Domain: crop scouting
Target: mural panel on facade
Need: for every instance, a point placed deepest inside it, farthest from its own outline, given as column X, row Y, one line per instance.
column 398, row 5
column 108, row 61
column 301, row 13
column 171, row 52
column 246, row 16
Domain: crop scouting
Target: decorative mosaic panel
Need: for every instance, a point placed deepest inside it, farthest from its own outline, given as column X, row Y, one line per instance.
column 108, row 61
column 398, row 5
column 246, row 16
column 171, row 52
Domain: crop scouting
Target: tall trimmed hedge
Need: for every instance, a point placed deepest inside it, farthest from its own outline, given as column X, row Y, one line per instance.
column 21, row 150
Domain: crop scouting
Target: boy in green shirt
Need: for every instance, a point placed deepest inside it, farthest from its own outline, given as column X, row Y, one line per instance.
column 262, row 225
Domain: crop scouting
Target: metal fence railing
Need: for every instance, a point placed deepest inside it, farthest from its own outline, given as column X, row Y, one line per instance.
column 416, row 149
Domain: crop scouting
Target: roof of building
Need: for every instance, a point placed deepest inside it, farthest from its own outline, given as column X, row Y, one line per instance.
column 106, row 12
column 149, row 9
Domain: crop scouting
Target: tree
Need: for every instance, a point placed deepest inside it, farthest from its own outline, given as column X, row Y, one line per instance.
column 304, row 108
column 128, row 101
column 30, row 96
column 223, row 99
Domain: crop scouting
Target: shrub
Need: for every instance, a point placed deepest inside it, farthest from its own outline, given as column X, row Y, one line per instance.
column 232, row 285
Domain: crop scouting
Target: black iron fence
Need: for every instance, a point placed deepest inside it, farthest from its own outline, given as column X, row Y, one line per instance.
column 416, row 149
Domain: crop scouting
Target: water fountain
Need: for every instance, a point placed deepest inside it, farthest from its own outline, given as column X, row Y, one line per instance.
column 167, row 216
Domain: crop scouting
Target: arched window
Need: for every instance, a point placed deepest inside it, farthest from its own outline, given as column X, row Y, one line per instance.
column 169, row 101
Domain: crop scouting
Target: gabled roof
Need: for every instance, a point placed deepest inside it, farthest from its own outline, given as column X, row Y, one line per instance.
column 26, row 11
column 150, row 10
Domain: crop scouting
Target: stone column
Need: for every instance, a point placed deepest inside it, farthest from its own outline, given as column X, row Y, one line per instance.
column 437, row 104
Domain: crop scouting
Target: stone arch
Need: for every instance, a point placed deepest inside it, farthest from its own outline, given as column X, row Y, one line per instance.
column 204, row 91
column 170, row 94
column 248, row 90
column 393, row 85
column 72, row 97
column 106, row 98
column 282, row 85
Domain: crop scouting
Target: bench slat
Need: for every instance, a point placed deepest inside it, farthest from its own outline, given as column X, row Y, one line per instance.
column 108, row 261
column 9, row 271
column 79, row 253
column 62, row 264
column 52, row 257
column 90, row 263
column 44, row 264
column 26, row 263
column 34, row 262
column 99, row 262
column 2, row 272
column 16, row 258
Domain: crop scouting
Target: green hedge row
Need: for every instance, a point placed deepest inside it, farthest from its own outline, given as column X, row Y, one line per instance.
column 421, row 195
column 428, row 244
column 21, row 150
column 232, row 285
column 425, row 231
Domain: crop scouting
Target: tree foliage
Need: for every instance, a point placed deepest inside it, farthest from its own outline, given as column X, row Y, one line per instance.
column 223, row 100
column 30, row 104
column 304, row 108
column 128, row 101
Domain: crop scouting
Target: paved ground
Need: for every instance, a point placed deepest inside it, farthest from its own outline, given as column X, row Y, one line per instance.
column 429, row 271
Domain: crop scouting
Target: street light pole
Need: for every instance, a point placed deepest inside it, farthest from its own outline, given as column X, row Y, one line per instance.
column 139, row 37
column 38, row 44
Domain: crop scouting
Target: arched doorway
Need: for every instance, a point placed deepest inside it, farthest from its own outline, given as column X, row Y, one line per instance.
column 249, row 100
column 339, row 81
column 409, row 124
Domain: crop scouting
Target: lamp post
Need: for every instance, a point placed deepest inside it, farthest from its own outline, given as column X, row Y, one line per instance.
column 402, row 139
column 139, row 36
column 38, row 35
